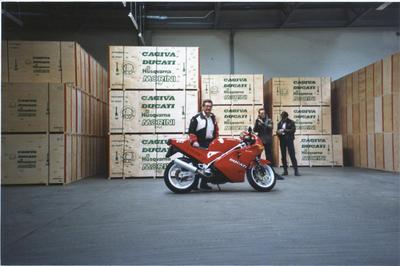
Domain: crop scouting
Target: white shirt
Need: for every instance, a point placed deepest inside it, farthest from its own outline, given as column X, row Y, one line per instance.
column 210, row 127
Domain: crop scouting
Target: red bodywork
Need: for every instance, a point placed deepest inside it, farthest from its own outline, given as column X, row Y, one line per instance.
column 233, row 164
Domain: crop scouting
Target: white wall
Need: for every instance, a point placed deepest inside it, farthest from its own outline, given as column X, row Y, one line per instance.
column 287, row 52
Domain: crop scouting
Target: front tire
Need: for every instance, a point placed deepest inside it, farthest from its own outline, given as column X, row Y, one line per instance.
column 261, row 177
column 177, row 179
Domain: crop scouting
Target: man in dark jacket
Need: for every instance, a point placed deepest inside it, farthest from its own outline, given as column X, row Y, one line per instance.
column 203, row 129
column 286, row 130
column 263, row 126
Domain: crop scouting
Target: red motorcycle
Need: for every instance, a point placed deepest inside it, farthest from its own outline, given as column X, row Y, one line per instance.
column 225, row 160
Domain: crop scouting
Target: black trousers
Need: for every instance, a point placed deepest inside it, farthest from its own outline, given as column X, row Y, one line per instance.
column 205, row 143
column 268, row 151
column 287, row 144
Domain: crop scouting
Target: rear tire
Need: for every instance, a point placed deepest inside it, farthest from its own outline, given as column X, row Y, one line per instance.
column 261, row 177
column 177, row 179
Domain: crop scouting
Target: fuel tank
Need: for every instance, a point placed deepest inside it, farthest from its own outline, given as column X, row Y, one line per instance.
column 223, row 144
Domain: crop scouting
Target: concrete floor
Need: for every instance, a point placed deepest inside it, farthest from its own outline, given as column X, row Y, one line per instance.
column 336, row 216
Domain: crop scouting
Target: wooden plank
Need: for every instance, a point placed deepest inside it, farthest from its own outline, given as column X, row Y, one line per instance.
column 57, row 161
column 355, row 89
column 356, row 118
column 349, row 89
column 362, row 85
column 369, row 79
column 371, row 150
column 148, row 112
column 68, row 62
column 74, row 158
column 233, row 89
column 370, row 115
column 363, row 117
column 57, row 107
column 396, row 113
column 78, row 157
column 396, row 73
column 378, row 78
column 388, row 151
column 163, row 68
column 363, row 150
column 24, row 107
column 396, row 152
column 387, row 75
column 378, row 114
column 24, row 159
column 387, row 113
column 379, row 151
column 348, row 152
column 349, row 113
column 337, row 147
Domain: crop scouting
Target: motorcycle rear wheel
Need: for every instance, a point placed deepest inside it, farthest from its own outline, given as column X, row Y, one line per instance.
column 261, row 177
column 177, row 179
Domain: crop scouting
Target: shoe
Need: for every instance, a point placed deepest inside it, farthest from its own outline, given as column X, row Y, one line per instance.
column 296, row 172
column 195, row 188
column 278, row 177
column 205, row 186
column 285, row 172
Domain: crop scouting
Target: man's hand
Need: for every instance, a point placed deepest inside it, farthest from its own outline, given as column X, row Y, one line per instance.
column 196, row 144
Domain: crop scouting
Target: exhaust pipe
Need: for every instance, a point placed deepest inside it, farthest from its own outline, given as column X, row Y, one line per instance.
column 185, row 165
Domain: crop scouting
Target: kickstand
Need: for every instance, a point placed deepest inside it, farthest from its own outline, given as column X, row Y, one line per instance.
column 219, row 187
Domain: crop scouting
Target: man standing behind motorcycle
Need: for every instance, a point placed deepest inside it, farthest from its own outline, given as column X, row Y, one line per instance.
column 203, row 129
column 286, row 130
column 263, row 126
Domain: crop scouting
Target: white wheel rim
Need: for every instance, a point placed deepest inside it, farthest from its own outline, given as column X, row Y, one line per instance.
column 180, row 181
column 266, row 180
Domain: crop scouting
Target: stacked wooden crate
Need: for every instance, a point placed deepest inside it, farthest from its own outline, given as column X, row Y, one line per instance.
column 153, row 95
column 236, row 100
column 367, row 110
column 307, row 100
column 54, row 113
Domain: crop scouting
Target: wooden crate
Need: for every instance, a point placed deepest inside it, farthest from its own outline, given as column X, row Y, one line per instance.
column 233, row 89
column 387, row 75
column 363, row 150
column 396, row 73
column 299, row 91
column 308, row 119
column 24, row 107
column 369, row 82
column 153, row 67
column 138, row 155
column 60, row 159
column 24, row 159
column 396, row 113
column 150, row 111
column 232, row 120
column 314, row 150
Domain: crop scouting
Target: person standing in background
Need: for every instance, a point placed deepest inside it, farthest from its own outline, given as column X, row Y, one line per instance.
column 286, row 130
column 263, row 126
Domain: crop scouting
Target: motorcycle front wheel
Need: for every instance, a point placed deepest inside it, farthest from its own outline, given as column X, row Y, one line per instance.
column 261, row 177
column 178, row 179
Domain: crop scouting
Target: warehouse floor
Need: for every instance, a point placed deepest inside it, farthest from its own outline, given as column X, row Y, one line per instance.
column 327, row 216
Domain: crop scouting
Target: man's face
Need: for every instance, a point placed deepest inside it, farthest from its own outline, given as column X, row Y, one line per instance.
column 207, row 107
column 261, row 113
column 283, row 117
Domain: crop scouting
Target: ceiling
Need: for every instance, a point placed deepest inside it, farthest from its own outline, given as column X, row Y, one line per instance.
column 196, row 15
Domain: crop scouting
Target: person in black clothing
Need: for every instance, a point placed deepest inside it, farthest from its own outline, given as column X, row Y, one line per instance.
column 263, row 126
column 286, row 130
column 203, row 129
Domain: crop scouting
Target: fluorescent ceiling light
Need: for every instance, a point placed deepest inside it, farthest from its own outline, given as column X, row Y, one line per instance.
column 133, row 20
column 383, row 6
